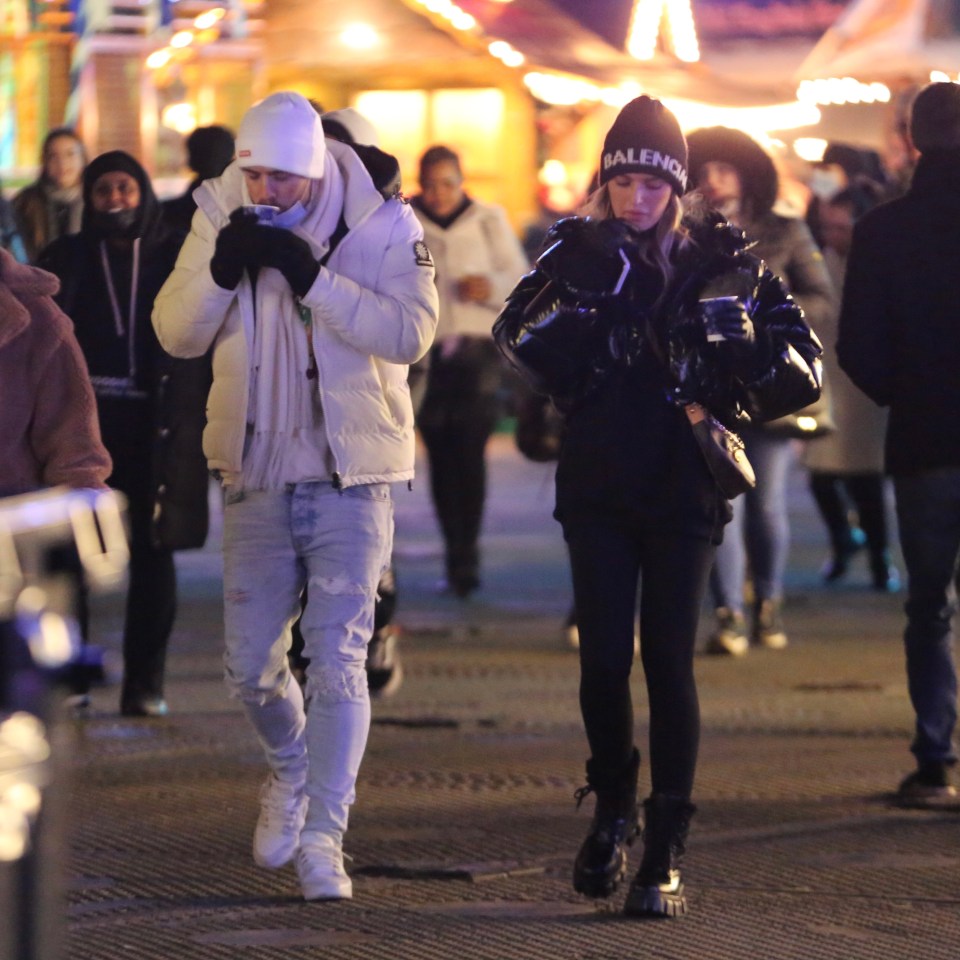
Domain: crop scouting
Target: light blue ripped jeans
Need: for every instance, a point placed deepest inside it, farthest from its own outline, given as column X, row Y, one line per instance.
column 275, row 543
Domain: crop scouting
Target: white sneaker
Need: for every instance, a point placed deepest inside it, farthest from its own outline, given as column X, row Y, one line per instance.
column 730, row 636
column 320, row 868
column 768, row 627
column 283, row 807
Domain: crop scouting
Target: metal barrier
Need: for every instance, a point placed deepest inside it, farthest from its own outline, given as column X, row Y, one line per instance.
column 52, row 545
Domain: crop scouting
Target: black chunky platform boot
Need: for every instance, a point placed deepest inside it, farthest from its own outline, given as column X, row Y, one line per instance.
column 657, row 890
column 602, row 861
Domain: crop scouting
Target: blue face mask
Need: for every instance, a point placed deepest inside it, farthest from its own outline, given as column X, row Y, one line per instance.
column 290, row 217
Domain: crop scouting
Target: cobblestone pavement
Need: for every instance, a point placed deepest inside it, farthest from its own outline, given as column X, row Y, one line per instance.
column 465, row 827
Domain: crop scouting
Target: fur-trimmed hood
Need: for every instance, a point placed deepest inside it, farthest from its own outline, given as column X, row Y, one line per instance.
column 758, row 175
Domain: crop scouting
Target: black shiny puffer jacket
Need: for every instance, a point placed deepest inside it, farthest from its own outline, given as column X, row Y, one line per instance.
column 587, row 306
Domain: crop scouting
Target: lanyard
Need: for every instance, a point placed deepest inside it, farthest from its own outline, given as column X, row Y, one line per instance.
column 115, row 304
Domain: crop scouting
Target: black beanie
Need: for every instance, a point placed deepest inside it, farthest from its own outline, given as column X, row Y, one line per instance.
column 645, row 138
column 209, row 151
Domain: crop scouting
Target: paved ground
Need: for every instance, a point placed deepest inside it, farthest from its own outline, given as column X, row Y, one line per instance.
column 465, row 827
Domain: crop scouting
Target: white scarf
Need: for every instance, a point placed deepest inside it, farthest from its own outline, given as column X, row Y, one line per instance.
column 286, row 441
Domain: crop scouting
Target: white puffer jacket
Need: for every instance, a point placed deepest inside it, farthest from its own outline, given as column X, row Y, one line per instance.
column 374, row 308
column 480, row 241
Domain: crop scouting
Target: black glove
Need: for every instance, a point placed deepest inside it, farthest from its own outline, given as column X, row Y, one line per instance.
column 289, row 254
column 587, row 256
column 235, row 250
column 728, row 325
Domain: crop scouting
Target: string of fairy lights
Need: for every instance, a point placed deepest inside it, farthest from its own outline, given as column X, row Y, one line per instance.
column 655, row 25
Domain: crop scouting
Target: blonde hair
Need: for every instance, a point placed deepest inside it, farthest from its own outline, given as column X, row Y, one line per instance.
column 668, row 234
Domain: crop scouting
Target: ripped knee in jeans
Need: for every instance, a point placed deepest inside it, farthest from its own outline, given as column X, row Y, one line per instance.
column 256, row 693
column 336, row 682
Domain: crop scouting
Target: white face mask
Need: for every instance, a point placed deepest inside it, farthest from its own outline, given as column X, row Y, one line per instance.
column 290, row 217
column 825, row 183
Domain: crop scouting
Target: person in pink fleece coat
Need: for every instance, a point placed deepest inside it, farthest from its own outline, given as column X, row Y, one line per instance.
column 49, row 434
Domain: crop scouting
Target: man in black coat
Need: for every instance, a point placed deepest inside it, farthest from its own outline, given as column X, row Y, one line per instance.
column 899, row 341
column 209, row 151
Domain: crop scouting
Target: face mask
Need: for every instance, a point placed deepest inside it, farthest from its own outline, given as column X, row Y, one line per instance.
column 290, row 217
column 825, row 183
column 114, row 223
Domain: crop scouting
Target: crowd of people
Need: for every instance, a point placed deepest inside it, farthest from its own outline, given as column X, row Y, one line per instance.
column 287, row 323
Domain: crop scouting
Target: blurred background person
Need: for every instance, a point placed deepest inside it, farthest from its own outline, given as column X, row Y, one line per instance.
column 383, row 666
column 843, row 167
column 899, row 341
column 151, row 407
column 846, row 467
column 49, row 434
column 209, row 150
column 51, row 206
column 478, row 260
column 738, row 178
column 10, row 238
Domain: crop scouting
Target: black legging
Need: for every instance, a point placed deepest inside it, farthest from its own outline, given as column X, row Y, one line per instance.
column 832, row 491
column 459, row 413
column 151, row 605
column 128, row 430
column 606, row 559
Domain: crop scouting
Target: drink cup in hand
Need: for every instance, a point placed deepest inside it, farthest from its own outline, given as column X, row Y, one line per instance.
column 474, row 288
column 713, row 308
column 263, row 212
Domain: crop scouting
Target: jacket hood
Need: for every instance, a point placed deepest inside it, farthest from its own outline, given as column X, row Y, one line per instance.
column 25, row 280
column 713, row 232
column 758, row 176
column 148, row 222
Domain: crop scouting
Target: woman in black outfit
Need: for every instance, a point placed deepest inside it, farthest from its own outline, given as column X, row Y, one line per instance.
column 612, row 324
column 151, row 406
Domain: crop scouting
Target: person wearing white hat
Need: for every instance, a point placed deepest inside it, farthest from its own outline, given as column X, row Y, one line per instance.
column 315, row 292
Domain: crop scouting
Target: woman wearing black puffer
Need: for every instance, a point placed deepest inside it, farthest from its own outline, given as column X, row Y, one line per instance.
column 612, row 326
column 151, row 406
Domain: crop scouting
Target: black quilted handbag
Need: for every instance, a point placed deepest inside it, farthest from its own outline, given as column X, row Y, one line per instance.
column 723, row 451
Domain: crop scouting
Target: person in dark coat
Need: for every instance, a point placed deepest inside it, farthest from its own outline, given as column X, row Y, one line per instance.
column 846, row 466
column 209, row 150
column 611, row 325
column 738, row 178
column 151, row 406
column 10, row 238
column 899, row 342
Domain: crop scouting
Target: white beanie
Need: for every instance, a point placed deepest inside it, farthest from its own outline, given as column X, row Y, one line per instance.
column 282, row 132
column 357, row 127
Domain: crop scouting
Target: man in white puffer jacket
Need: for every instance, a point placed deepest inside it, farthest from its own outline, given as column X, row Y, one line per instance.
column 315, row 300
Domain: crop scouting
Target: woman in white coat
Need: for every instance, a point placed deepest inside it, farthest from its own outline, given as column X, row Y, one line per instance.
column 479, row 260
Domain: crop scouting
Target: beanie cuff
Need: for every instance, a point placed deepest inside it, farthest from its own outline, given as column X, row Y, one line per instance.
column 657, row 163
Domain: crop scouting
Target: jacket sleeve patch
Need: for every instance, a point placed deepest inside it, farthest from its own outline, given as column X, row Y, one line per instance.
column 422, row 254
